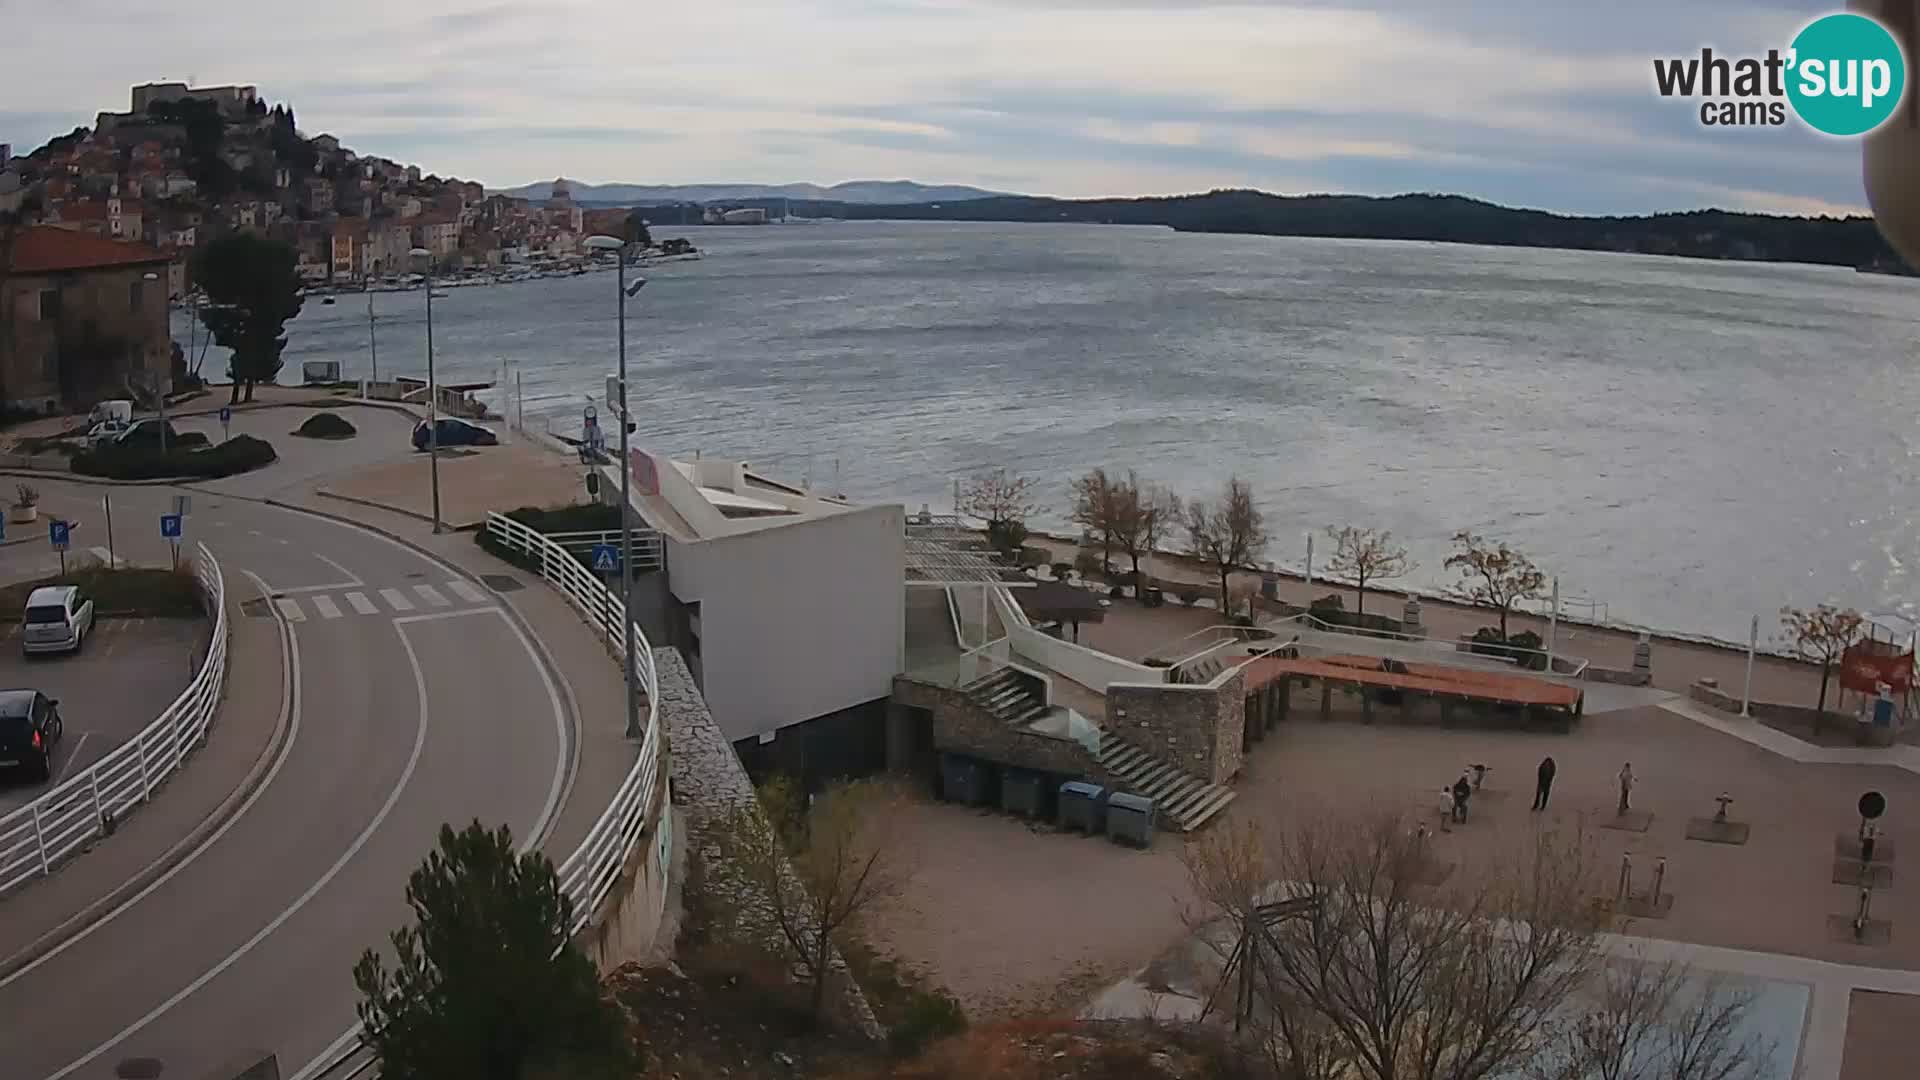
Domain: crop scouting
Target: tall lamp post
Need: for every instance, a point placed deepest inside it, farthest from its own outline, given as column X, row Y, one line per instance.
column 165, row 382
column 424, row 259
column 623, row 291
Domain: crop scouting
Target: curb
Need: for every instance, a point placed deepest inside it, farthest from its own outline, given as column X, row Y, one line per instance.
column 424, row 519
column 93, row 913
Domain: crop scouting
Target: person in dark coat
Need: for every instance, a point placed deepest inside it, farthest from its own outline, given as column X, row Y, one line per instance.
column 1543, row 784
column 1462, row 791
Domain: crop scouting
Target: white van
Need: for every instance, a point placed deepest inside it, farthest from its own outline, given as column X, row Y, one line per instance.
column 119, row 411
column 58, row 619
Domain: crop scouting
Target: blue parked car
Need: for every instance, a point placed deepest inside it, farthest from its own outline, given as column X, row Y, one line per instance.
column 455, row 432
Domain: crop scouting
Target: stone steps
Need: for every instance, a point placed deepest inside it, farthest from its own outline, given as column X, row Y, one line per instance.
column 1184, row 800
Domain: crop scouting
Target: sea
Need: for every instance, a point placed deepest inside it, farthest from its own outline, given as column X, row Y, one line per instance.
column 1685, row 445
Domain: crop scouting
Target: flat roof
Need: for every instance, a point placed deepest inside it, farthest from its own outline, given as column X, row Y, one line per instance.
column 1427, row 678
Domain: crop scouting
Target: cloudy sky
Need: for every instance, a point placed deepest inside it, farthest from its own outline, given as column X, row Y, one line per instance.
column 1544, row 103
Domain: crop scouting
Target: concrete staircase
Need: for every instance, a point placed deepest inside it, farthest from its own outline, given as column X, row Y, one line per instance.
column 1012, row 695
column 1198, row 672
column 1185, row 801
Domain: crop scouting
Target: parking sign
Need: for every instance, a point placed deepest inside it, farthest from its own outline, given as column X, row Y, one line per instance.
column 170, row 526
column 59, row 532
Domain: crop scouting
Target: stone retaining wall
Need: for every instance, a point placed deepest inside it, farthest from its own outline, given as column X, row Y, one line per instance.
column 1793, row 715
column 962, row 726
column 1198, row 729
column 709, row 784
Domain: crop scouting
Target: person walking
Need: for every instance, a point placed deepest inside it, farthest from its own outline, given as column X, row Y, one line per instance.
column 1462, row 791
column 1626, row 787
column 1543, row 783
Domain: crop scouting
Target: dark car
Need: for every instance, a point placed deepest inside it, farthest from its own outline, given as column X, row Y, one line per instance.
column 455, row 432
column 30, row 728
column 145, row 434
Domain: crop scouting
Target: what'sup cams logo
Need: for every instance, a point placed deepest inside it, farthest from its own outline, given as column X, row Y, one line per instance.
column 1844, row 75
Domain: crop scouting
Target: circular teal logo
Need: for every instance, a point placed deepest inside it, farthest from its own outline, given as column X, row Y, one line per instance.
column 1847, row 74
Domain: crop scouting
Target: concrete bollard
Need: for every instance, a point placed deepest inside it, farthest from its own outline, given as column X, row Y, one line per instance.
column 1410, row 618
column 1643, row 656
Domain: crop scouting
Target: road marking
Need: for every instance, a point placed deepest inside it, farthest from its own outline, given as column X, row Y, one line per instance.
column 73, row 755
column 291, row 609
column 324, row 605
column 465, row 591
column 289, row 715
column 247, row 946
column 352, row 578
column 432, row 596
column 361, row 605
column 396, row 599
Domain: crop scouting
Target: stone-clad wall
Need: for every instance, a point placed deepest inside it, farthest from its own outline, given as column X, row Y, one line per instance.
column 962, row 726
column 708, row 784
column 1197, row 728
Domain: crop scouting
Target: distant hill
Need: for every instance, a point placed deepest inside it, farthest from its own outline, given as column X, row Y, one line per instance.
column 864, row 192
column 1707, row 234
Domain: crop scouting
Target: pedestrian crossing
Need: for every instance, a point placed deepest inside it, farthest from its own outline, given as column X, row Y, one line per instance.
column 387, row 601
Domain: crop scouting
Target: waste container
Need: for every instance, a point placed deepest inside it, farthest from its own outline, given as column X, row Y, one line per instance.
column 1130, row 819
column 963, row 780
column 1021, row 793
column 1083, row 806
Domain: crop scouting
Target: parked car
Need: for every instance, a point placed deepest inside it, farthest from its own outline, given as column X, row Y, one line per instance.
column 105, row 431
column 455, row 432
column 146, row 434
column 30, row 727
column 58, row 619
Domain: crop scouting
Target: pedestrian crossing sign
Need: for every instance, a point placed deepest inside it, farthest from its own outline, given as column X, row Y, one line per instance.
column 606, row 559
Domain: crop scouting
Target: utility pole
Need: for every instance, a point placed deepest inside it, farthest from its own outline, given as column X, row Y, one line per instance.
column 626, row 514
column 373, row 348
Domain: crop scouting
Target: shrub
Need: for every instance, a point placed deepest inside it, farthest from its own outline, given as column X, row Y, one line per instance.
column 1033, row 556
column 1061, row 570
column 1522, row 648
column 127, row 591
column 326, row 425
column 26, row 495
column 1006, row 536
column 587, row 517
column 237, row 455
column 187, row 440
column 1087, row 563
column 1189, row 595
column 929, row 1017
column 1117, row 592
column 1329, row 602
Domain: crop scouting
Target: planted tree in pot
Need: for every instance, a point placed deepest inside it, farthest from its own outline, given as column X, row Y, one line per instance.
column 26, row 500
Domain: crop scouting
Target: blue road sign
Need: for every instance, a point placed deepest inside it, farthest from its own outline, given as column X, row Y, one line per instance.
column 226, row 414
column 170, row 526
column 59, row 532
column 606, row 559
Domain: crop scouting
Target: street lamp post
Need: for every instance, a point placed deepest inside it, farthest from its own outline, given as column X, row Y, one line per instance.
column 425, row 258
column 622, row 292
column 166, row 377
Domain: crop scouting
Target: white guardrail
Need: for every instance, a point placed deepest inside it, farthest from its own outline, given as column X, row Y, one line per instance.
column 588, row 875
column 90, row 803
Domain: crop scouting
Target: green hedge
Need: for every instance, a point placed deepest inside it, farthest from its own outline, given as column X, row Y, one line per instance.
column 326, row 425
column 237, row 455
column 128, row 591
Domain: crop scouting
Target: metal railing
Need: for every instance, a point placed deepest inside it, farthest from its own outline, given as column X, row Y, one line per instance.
column 589, row 875
column 91, row 803
column 648, row 549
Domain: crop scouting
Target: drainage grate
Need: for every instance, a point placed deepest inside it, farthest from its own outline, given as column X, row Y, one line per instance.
column 254, row 608
column 502, row 582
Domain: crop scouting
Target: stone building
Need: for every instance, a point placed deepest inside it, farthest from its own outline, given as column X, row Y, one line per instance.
column 85, row 318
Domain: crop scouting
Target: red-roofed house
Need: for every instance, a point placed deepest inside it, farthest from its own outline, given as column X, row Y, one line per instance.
column 81, row 317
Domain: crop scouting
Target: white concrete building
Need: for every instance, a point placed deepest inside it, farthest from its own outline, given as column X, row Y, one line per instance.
column 789, row 605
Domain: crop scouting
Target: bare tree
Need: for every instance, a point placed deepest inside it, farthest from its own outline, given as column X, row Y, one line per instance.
column 1823, row 635
column 817, row 867
column 1389, row 977
column 1363, row 555
column 1645, row 1020
column 1228, row 532
column 1098, row 504
column 1001, row 500
column 1155, row 512
column 1493, row 575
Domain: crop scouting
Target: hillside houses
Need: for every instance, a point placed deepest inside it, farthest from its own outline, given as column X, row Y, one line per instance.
column 185, row 164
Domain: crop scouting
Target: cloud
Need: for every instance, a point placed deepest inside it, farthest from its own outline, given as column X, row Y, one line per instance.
column 1544, row 105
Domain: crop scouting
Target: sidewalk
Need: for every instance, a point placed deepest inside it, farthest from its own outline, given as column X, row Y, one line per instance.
column 247, row 732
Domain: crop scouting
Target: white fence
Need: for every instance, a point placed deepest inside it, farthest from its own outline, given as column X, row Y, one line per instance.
column 91, row 802
column 588, row 875
column 591, row 872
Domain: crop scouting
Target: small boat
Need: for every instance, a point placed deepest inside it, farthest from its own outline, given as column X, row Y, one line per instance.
column 327, row 300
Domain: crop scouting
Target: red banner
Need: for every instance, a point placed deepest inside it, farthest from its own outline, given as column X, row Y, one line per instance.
column 1865, row 666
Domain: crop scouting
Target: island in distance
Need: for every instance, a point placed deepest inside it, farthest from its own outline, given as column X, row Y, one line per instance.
column 871, row 192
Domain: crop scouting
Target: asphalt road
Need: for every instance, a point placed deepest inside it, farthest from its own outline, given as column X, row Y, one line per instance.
column 416, row 702
column 116, row 685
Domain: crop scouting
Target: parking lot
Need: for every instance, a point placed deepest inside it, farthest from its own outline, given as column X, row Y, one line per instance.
column 128, row 672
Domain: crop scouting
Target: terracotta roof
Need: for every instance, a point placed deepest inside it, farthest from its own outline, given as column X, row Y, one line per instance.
column 1431, row 678
column 44, row 249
